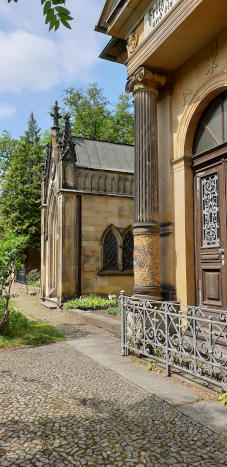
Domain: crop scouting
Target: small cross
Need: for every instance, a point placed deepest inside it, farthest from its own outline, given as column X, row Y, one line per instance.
column 55, row 114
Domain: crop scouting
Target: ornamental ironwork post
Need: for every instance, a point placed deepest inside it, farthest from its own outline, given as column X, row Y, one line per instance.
column 145, row 84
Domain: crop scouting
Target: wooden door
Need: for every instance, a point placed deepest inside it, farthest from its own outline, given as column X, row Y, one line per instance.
column 210, row 236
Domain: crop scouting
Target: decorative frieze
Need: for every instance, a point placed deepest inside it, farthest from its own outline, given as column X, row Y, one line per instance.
column 94, row 182
column 157, row 12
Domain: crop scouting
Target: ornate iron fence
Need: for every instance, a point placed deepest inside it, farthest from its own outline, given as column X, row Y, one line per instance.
column 191, row 339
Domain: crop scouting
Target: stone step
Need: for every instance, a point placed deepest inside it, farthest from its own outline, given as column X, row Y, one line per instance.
column 51, row 304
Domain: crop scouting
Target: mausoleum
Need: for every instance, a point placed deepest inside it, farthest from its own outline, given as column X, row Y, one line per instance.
column 87, row 216
column 175, row 52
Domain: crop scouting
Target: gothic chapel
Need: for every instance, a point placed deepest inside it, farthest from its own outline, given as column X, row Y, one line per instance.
column 87, row 215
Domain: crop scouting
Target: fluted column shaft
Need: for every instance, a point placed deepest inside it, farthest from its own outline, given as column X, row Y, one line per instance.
column 144, row 84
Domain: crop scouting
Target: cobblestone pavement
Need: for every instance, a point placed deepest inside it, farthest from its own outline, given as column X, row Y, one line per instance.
column 60, row 408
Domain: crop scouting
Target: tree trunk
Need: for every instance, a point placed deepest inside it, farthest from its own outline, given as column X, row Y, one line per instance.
column 5, row 316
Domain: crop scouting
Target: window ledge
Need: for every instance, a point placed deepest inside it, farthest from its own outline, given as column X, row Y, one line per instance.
column 116, row 273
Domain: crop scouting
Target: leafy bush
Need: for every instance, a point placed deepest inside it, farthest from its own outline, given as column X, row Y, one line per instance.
column 114, row 310
column 16, row 321
column 33, row 278
column 91, row 302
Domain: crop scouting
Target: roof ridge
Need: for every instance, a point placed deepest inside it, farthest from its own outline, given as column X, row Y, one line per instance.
column 103, row 141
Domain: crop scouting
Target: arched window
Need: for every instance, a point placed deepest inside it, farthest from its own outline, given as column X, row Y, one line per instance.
column 127, row 253
column 212, row 127
column 110, row 252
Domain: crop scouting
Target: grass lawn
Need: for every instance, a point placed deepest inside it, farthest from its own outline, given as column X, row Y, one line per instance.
column 22, row 331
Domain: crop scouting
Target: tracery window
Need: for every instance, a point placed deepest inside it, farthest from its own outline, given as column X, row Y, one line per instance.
column 117, row 249
column 110, row 252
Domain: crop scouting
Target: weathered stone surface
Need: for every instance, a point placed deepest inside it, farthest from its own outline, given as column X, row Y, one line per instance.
column 59, row 407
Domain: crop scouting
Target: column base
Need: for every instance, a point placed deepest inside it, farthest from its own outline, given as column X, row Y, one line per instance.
column 153, row 293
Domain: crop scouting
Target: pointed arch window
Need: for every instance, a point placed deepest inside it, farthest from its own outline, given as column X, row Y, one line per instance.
column 117, row 250
column 110, row 252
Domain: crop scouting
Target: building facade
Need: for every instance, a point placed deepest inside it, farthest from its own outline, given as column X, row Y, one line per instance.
column 87, row 216
column 175, row 52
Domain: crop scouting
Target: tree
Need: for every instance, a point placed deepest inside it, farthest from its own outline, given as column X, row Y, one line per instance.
column 7, row 148
column 20, row 190
column 54, row 13
column 91, row 116
column 11, row 257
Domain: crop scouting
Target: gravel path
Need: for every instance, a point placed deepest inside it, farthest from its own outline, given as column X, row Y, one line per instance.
column 60, row 408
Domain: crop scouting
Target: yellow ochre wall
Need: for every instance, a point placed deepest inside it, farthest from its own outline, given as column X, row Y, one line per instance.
column 98, row 212
column 195, row 85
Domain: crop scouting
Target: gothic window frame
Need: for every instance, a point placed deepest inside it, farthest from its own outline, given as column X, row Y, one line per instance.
column 120, row 235
column 126, row 232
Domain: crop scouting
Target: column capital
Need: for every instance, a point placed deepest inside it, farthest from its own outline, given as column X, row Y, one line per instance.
column 145, row 79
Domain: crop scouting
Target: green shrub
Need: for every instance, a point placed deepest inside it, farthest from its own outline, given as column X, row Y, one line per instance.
column 91, row 302
column 33, row 278
column 114, row 310
column 16, row 321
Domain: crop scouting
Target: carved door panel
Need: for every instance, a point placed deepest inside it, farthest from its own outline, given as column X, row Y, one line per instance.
column 210, row 235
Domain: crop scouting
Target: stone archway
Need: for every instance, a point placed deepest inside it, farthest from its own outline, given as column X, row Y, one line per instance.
column 183, row 186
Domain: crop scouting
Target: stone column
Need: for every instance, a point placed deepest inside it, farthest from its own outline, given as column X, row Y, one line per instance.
column 144, row 85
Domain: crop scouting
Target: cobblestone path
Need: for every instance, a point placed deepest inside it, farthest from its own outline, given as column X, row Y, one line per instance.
column 60, row 408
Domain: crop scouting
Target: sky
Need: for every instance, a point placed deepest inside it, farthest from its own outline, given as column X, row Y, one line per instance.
column 37, row 65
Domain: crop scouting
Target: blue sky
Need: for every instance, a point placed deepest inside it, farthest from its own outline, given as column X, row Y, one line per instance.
column 37, row 65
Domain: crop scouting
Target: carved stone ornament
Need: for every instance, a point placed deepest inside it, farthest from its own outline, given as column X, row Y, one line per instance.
column 66, row 145
column 53, row 169
column 55, row 114
column 212, row 58
column 145, row 79
column 132, row 43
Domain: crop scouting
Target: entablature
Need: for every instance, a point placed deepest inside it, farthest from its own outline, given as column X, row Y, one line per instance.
column 163, row 34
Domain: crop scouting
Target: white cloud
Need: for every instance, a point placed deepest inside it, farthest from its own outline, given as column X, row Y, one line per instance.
column 33, row 59
column 6, row 110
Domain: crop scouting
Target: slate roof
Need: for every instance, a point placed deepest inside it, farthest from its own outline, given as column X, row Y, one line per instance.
column 104, row 155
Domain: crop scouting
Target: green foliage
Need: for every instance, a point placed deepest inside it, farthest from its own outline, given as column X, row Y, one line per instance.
column 7, row 149
column 223, row 399
column 158, row 352
column 33, row 278
column 151, row 366
column 22, row 331
column 20, row 194
column 55, row 13
column 92, row 302
column 92, row 118
column 11, row 257
column 114, row 310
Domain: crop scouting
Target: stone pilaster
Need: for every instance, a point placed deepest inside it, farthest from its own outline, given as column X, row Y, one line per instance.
column 144, row 85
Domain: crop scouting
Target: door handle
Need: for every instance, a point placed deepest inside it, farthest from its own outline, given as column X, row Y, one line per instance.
column 222, row 252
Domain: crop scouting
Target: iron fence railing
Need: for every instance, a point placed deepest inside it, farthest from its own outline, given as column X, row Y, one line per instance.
column 191, row 339
column 20, row 276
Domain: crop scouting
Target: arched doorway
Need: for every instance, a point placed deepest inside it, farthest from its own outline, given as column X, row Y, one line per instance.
column 210, row 201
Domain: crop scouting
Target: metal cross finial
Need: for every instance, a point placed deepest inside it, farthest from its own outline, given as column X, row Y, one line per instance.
column 55, row 114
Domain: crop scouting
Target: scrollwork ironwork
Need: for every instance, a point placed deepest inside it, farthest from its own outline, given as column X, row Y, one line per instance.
column 192, row 339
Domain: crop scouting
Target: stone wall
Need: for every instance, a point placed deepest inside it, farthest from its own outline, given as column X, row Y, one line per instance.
column 98, row 212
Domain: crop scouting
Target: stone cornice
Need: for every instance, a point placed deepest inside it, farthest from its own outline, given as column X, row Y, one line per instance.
column 145, row 79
